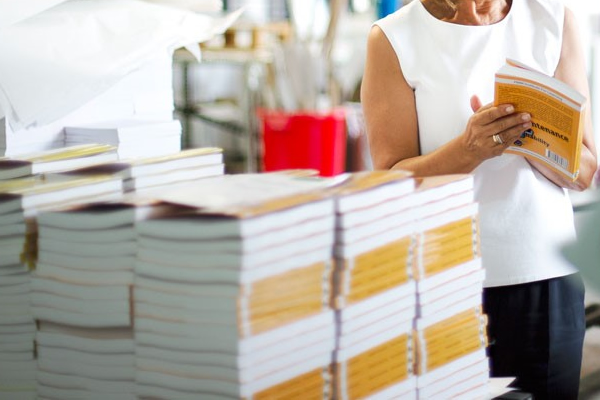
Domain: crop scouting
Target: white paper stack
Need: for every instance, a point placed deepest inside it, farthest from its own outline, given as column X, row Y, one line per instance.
column 152, row 172
column 13, row 143
column 235, row 301
column 450, row 328
column 82, row 281
column 133, row 138
column 375, row 294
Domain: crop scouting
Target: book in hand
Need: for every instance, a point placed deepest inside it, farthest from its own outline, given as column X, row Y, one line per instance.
column 557, row 115
column 56, row 160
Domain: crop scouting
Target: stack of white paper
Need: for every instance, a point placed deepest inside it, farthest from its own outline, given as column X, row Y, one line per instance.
column 450, row 327
column 235, row 302
column 374, row 289
column 133, row 138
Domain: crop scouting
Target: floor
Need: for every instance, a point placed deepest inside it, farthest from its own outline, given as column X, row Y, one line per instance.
column 590, row 369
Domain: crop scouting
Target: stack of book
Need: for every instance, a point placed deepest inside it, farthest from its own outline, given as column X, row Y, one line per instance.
column 234, row 300
column 82, row 363
column 374, row 294
column 147, row 172
column 20, row 201
column 450, row 327
column 132, row 137
column 55, row 160
column 17, row 327
column 81, row 297
column 23, row 198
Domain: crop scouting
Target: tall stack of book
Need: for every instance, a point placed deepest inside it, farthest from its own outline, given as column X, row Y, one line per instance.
column 17, row 327
column 81, row 297
column 374, row 288
column 132, row 137
column 233, row 300
column 20, row 201
column 450, row 326
column 148, row 172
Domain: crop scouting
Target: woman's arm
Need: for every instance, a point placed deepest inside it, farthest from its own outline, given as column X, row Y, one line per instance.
column 392, row 128
column 571, row 70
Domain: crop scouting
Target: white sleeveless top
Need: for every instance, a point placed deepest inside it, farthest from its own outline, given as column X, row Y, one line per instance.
column 524, row 217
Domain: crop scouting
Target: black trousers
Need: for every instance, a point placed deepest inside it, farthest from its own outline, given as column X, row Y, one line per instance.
column 536, row 333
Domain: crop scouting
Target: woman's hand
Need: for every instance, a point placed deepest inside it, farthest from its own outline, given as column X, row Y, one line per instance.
column 490, row 130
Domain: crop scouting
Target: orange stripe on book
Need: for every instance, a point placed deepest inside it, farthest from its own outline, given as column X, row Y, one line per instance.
column 265, row 322
column 379, row 270
column 389, row 251
column 444, row 260
column 288, row 280
column 449, row 245
column 370, row 289
column 450, row 325
column 378, row 367
column 452, row 353
column 311, row 385
column 458, row 333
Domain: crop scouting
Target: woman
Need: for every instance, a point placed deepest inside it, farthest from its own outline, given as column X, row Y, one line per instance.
column 430, row 68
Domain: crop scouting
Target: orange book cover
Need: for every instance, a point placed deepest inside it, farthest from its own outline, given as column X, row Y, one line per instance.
column 557, row 116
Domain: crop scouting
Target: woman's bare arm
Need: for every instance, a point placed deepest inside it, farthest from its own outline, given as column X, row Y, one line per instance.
column 391, row 121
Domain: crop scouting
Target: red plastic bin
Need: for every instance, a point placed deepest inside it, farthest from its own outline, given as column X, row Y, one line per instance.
column 302, row 140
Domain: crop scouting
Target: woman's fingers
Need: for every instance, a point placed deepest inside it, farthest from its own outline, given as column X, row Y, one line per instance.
column 489, row 114
column 511, row 128
column 492, row 129
column 475, row 103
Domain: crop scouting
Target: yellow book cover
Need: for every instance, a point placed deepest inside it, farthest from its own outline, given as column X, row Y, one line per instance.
column 557, row 116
